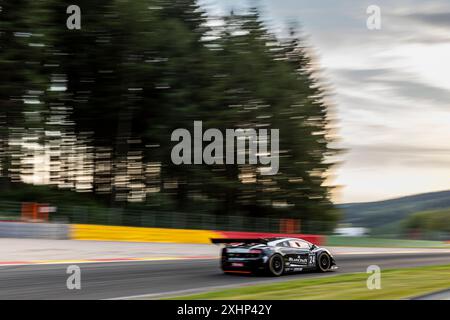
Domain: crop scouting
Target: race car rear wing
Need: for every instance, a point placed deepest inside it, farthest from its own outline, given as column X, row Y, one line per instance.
column 237, row 240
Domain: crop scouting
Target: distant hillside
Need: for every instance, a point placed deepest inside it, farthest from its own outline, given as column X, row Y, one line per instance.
column 384, row 217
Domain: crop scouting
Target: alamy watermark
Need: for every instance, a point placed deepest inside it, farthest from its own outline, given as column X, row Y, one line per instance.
column 74, row 20
column 222, row 150
column 374, row 19
column 374, row 280
column 74, row 280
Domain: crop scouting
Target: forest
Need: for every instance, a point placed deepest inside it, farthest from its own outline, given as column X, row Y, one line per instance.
column 92, row 110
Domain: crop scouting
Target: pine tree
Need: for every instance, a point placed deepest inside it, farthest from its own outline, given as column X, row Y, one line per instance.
column 22, row 83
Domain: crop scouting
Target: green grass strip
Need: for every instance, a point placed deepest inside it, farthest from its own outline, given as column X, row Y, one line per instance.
column 395, row 284
column 333, row 241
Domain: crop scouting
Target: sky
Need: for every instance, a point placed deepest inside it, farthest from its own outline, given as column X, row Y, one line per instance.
column 390, row 88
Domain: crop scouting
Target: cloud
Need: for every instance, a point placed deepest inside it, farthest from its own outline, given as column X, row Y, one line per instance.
column 358, row 75
column 438, row 19
column 396, row 83
column 379, row 155
column 417, row 90
column 432, row 27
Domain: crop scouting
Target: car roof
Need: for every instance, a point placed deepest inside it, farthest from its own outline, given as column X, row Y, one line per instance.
column 275, row 241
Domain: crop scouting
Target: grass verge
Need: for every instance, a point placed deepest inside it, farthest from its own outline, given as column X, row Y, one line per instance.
column 341, row 241
column 395, row 284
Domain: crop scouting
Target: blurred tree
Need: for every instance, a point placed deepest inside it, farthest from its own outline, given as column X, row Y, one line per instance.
column 23, row 83
column 114, row 91
column 270, row 83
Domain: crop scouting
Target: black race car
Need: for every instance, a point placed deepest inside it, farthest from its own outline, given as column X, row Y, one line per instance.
column 273, row 256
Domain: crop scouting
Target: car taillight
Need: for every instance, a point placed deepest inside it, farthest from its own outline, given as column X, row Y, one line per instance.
column 255, row 251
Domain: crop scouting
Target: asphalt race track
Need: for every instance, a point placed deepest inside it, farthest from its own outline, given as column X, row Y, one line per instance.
column 157, row 279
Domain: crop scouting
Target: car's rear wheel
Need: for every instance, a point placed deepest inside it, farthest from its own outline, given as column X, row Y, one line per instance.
column 323, row 262
column 275, row 265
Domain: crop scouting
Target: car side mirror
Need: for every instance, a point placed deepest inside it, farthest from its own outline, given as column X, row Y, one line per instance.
column 313, row 247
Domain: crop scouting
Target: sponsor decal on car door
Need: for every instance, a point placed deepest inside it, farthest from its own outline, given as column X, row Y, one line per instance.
column 298, row 257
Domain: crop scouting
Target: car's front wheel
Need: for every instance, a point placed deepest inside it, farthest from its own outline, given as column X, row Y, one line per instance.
column 275, row 265
column 323, row 262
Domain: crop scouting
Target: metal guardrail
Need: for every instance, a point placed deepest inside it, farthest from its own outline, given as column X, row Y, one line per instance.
column 23, row 230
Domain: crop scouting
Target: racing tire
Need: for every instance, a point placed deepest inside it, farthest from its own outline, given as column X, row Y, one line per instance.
column 323, row 262
column 275, row 265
